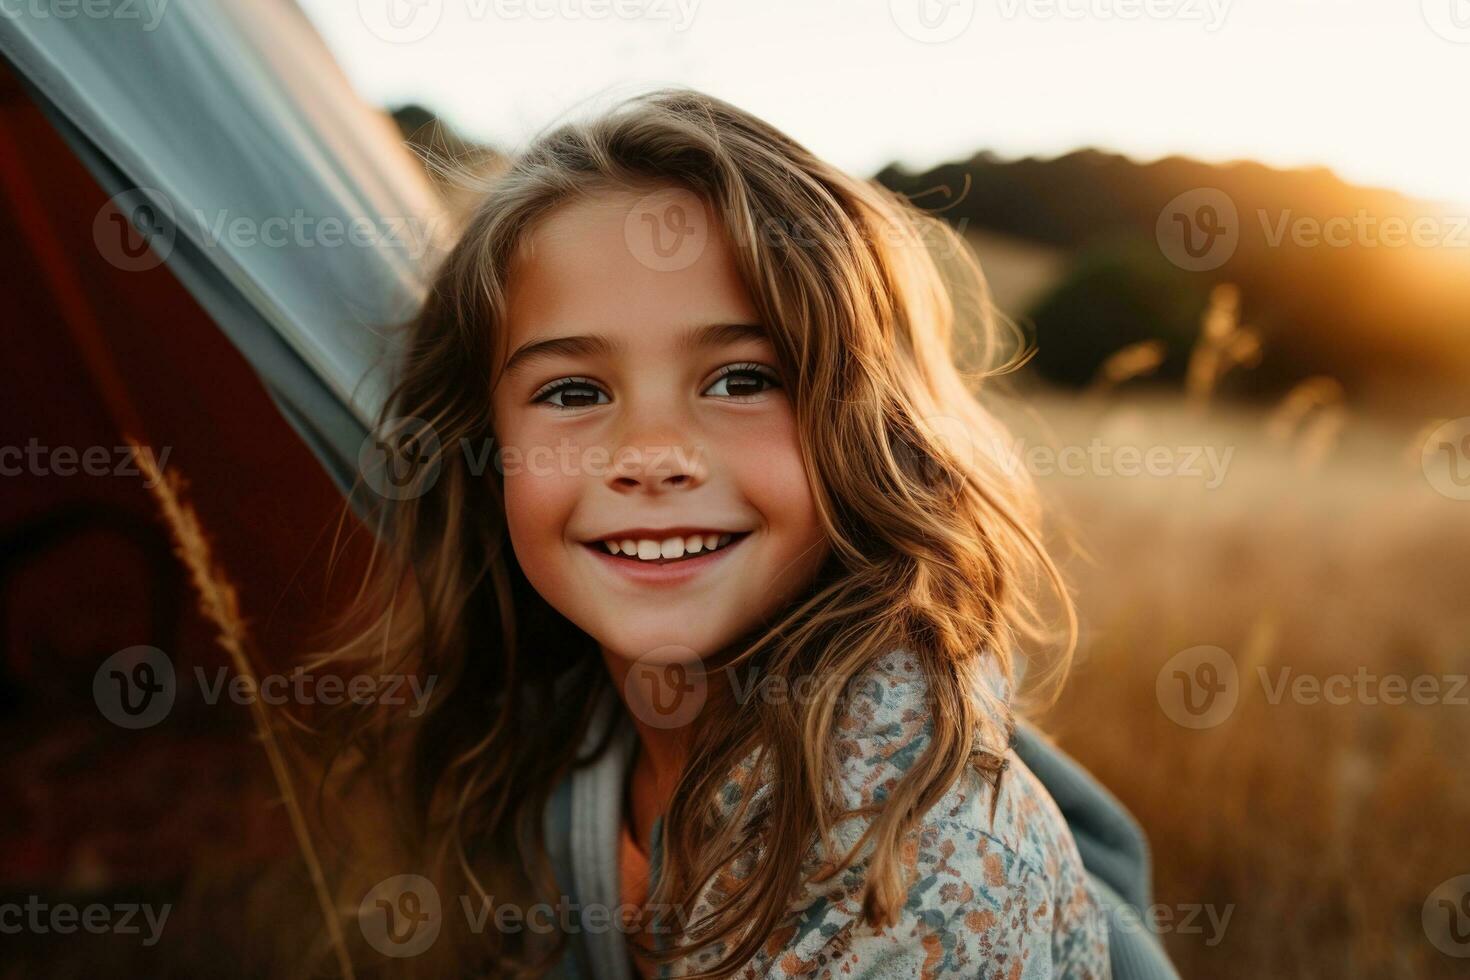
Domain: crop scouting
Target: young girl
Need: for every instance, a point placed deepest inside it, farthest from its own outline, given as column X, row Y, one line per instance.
column 710, row 554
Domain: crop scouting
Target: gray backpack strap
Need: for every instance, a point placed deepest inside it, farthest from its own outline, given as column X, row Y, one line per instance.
column 1114, row 851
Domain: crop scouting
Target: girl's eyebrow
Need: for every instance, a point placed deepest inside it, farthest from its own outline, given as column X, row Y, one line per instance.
column 589, row 345
column 535, row 350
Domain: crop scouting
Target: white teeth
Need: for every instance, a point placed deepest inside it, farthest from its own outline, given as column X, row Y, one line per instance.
column 647, row 549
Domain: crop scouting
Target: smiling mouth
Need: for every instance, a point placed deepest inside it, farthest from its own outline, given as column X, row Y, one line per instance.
column 668, row 550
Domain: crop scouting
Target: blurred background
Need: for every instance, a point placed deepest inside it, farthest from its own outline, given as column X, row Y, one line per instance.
column 1237, row 235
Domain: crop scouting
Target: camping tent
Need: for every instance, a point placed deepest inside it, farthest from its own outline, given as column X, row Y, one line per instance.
column 146, row 107
column 143, row 169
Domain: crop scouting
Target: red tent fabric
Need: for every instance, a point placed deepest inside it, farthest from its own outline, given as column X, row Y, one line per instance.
column 94, row 352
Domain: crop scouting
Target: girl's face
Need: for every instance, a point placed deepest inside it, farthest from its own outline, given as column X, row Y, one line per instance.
column 654, row 487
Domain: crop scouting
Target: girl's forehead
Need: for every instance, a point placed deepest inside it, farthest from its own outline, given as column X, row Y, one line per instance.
column 612, row 262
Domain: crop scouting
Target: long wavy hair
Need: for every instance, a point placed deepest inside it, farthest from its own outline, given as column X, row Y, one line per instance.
column 933, row 532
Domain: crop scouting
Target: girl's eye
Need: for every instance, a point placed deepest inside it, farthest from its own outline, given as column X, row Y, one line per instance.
column 743, row 381
column 571, row 393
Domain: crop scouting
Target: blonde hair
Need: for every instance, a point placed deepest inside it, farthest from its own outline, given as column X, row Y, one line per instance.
column 934, row 540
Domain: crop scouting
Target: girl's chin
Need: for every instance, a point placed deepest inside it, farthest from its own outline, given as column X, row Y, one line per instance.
column 665, row 643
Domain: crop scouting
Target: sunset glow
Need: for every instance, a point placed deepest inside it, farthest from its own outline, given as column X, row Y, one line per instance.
column 1365, row 87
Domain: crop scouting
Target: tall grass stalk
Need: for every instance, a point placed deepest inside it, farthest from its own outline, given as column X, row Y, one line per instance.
column 219, row 603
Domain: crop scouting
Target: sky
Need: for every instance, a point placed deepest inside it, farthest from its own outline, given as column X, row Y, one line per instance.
column 1373, row 89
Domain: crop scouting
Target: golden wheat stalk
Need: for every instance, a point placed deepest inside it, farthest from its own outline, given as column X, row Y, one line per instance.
column 219, row 603
column 1127, row 363
column 1223, row 344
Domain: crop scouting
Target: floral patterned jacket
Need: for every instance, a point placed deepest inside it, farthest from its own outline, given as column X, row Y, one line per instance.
column 998, row 887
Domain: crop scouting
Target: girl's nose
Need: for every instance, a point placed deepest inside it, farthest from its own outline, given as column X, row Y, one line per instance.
column 657, row 468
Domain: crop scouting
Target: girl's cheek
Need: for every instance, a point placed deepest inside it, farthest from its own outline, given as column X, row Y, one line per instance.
column 765, row 463
column 766, row 460
column 540, row 497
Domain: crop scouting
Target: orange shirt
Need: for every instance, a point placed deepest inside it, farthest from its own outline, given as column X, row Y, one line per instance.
column 633, row 868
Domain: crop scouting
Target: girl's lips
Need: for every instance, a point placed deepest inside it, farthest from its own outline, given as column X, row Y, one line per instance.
column 663, row 571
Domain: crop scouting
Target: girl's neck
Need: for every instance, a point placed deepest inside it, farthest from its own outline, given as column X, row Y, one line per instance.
column 660, row 758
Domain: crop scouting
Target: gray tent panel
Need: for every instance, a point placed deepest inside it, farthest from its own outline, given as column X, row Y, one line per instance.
column 286, row 206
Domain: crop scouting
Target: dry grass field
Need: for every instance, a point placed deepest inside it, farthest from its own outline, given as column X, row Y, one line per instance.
column 1316, row 801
